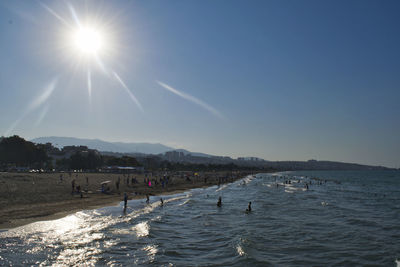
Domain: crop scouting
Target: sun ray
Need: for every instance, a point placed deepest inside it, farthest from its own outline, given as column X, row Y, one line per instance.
column 51, row 11
column 42, row 114
column 15, row 124
column 101, row 64
column 89, row 85
column 192, row 99
column 74, row 15
column 47, row 92
column 37, row 102
column 131, row 95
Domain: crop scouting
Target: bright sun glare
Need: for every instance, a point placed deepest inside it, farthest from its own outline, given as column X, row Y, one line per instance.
column 88, row 40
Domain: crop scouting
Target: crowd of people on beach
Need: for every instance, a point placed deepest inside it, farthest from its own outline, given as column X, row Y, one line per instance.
column 159, row 180
column 164, row 181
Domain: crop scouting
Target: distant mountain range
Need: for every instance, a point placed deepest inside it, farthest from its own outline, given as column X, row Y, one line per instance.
column 100, row 145
column 140, row 150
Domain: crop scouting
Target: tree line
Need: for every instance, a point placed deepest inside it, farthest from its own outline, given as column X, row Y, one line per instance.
column 17, row 152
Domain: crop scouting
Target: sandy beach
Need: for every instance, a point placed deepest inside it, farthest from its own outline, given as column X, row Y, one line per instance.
column 29, row 197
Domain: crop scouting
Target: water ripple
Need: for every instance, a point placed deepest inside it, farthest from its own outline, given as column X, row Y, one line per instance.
column 351, row 219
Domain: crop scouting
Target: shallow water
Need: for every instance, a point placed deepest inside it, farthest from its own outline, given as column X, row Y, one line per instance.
column 345, row 218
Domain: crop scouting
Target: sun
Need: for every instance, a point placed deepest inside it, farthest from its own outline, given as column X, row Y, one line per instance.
column 88, row 40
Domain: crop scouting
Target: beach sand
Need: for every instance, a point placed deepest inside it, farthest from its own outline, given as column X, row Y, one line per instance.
column 29, row 197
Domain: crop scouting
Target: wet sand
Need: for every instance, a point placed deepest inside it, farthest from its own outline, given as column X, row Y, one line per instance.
column 29, row 197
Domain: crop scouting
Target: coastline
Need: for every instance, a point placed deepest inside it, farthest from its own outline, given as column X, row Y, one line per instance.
column 26, row 198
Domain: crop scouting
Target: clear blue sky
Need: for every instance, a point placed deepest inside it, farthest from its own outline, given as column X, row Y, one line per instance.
column 281, row 80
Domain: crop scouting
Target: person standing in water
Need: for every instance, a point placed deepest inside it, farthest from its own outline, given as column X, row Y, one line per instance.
column 162, row 202
column 125, row 200
column 219, row 203
column 73, row 186
column 147, row 198
column 249, row 207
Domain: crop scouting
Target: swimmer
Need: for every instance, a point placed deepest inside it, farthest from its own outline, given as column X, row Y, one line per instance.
column 248, row 208
column 219, row 203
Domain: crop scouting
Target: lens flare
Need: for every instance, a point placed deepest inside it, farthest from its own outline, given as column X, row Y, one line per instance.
column 192, row 99
column 35, row 104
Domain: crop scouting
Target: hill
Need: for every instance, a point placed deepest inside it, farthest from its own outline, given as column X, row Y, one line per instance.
column 100, row 145
column 162, row 152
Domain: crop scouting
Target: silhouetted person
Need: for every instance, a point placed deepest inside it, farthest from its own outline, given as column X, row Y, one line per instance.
column 79, row 190
column 147, row 198
column 117, row 184
column 219, row 203
column 73, row 186
column 249, row 207
column 162, row 202
column 125, row 200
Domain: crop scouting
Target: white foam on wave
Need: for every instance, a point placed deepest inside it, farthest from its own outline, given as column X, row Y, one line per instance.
column 150, row 207
column 184, row 203
column 240, row 250
column 179, row 198
column 141, row 229
column 268, row 185
column 222, row 187
column 248, row 179
column 289, row 191
column 289, row 188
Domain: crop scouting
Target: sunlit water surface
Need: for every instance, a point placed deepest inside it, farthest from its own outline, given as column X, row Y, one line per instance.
column 345, row 218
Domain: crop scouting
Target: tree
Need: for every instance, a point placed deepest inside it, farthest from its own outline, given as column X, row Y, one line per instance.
column 15, row 150
column 85, row 161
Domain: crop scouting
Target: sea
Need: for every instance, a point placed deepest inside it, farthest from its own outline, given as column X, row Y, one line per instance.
column 344, row 218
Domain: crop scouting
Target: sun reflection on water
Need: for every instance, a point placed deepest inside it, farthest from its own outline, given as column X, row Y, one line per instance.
column 142, row 229
column 151, row 251
column 89, row 237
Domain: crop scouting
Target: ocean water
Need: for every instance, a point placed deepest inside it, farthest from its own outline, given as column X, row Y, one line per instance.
column 345, row 218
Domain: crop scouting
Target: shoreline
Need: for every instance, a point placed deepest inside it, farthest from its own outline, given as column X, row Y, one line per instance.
column 42, row 197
